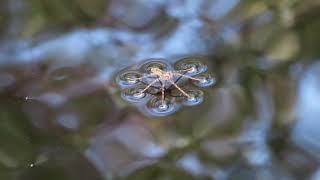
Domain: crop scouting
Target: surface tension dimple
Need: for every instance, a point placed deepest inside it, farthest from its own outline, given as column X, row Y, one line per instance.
column 134, row 94
column 157, row 107
column 196, row 97
column 206, row 80
column 154, row 63
column 129, row 78
column 193, row 66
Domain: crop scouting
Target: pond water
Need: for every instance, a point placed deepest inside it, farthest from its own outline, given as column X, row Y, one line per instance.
column 159, row 89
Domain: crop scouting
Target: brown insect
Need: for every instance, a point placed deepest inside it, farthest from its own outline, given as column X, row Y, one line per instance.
column 167, row 77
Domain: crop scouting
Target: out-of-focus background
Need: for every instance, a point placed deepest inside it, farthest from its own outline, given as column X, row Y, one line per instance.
column 62, row 116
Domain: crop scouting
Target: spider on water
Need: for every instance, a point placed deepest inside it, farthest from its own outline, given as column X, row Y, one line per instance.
column 167, row 77
column 166, row 84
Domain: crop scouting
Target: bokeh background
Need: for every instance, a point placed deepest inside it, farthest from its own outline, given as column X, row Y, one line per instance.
column 62, row 117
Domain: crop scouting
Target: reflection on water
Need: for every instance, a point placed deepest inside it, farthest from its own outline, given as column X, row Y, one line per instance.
column 250, row 111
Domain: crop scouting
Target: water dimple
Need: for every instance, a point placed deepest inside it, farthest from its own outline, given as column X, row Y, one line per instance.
column 156, row 63
column 157, row 107
column 206, row 80
column 191, row 66
column 163, row 107
column 129, row 78
column 134, row 94
column 195, row 98
column 139, row 95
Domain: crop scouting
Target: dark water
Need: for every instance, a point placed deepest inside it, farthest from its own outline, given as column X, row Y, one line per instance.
column 63, row 115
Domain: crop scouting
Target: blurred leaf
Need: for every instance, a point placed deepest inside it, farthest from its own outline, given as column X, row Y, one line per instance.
column 16, row 149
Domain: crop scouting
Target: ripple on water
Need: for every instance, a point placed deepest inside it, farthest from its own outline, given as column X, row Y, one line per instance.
column 135, row 94
column 192, row 66
column 196, row 98
column 154, row 63
column 206, row 80
column 156, row 107
column 128, row 78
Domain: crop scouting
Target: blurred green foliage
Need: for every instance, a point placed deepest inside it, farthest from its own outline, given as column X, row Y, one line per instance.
column 283, row 32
